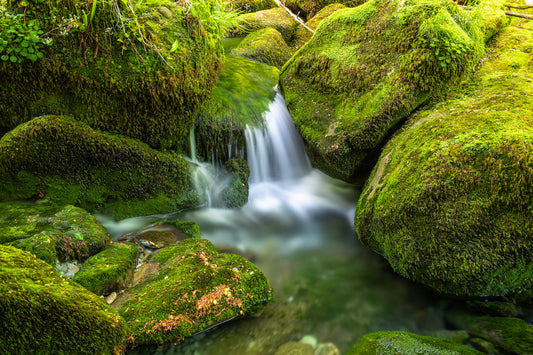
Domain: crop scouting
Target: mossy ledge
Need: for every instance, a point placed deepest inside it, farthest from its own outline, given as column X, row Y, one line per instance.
column 42, row 312
column 67, row 162
column 367, row 68
column 193, row 287
column 450, row 203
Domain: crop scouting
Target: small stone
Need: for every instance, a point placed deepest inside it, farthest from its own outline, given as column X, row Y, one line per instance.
column 309, row 339
column 73, row 267
column 327, row 349
column 165, row 12
column 111, row 297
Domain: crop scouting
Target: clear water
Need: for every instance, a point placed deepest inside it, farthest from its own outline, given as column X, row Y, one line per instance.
column 298, row 228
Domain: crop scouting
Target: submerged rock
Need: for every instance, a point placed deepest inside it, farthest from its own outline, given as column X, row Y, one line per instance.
column 51, row 232
column 450, row 203
column 366, row 68
column 388, row 342
column 42, row 312
column 266, row 46
column 191, row 288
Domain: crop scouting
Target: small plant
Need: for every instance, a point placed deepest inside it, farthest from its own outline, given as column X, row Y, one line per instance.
column 20, row 40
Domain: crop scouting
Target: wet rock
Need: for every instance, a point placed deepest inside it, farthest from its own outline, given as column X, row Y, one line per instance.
column 111, row 297
column 327, row 349
column 163, row 235
column 294, row 348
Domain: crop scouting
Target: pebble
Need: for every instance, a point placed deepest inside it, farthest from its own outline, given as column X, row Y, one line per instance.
column 327, row 349
column 111, row 298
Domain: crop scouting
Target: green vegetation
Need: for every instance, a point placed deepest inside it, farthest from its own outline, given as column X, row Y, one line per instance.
column 237, row 195
column 42, row 312
column 266, row 46
column 191, row 229
column 193, row 288
column 64, row 233
column 20, row 40
column 391, row 343
column 367, row 68
column 247, row 6
column 307, row 9
column 303, row 34
column 65, row 161
column 108, row 270
column 450, row 202
column 275, row 18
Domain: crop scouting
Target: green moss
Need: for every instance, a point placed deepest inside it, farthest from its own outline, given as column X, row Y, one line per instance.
column 193, row 289
column 68, row 232
column 390, row 343
column 266, row 46
column 247, row 6
column 65, row 161
column 108, row 270
column 237, row 194
column 303, row 34
column 142, row 75
column 42, row 312
column 450, row 203
column 307, row 9
column 191, row 229
column 366, row 68
column 276, row 18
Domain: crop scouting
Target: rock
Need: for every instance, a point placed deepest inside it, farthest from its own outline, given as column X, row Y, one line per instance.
column 390, row 342
column 266, row 46
column 275, row 18
column 111, row 297
column 110, row 168
column 66, row 233
column 327, row 349
column 191, row 288
column 309, row 339
column 109, row 270
column 308, row 9
column 449, row 203
column 247, row 6
column 294, row 348
column 303, row 34
column 366, row 68
column 42, row 312
column 165, row 12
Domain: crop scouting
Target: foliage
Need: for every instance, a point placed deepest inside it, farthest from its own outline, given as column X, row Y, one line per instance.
column 20, row 40
column 276, row 18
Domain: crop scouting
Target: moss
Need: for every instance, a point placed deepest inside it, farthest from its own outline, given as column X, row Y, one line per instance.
column 193, row 289
column 68, row 232
column 237, row 194
column 247, row 6
column 64, row 161
column 266, row 46
column 142, row 75
column 366, row 68
column 276, row 18
column 308, row 9
column 388, row 342
column 303, row 34
column 190, row 229
column 42, row 312
column 450, row 203
column 108, row 270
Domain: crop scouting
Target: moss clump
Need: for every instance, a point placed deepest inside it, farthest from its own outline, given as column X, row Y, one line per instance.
column 65, row 161
column 266, row 46
column 237, row 194
column 68, row 232
column 42, row 312
column 247, row 6
column 275, row 18
column 193, row 289
column 108, row 270
column 303, row 34
column 142, row 74
column 366, row 68
column 307, row 9
column 191, row 229
column 387, row 342
column 450, row 202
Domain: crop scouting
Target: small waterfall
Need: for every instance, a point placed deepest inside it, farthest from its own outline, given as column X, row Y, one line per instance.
column 275, row 151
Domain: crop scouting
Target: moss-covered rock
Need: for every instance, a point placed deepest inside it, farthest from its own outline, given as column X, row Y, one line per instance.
column 42, row 312
column 366, row 68
column 275, row 18
column 237, row 194
column 303, row 34
column 388, row 342
column 49, row 232
column 108, row 270
column 450, row 203
column 307, row 9
column 192, row 288
column 266, row 46
column 142, row 74
column 247, row 6
column 65, row 161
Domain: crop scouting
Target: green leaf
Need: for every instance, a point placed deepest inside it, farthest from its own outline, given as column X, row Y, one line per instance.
column 40, row 54
column 13, row 59
column 174, row 46
column 5, row 57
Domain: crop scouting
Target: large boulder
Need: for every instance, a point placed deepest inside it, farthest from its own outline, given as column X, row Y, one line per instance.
column 44, row 313
column 141, row 71
column 366, row 68
column 190, row 287
column 67, row 162
column 450, row 203
column 276, row 18
column 266, row 46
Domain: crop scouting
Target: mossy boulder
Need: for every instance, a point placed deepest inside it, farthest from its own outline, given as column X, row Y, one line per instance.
column 393, row 342
column 450, row 203
column 141, row 71
column 50, row 232
column 303, row 34
column 109, row 270
column 64, row 161
column 42, row 312
column 266, row 46
column 237, row 194
column 366, row 68
column 192, row 288
column 247, row 6
column 276, row 18
column 307, row 9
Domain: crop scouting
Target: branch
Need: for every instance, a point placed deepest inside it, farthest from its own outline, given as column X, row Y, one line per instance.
column 293, row 15
column 516, row 14
column 520, row 7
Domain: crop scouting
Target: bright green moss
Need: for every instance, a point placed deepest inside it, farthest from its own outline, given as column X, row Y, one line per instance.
column 275, row 18
column 450, row 202
column 307, row 9
column 65, row 161
column 303, row 34
column 392, row 343
column 42, row 312
column 108, row 270
column 68, row 232
column 266, row 46
column 366, row 68
column 247, row 6
column 237, row 195
column 191, row 229
column 193, row 289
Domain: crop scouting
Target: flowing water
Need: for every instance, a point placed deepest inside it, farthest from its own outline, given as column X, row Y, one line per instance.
column 298, row 228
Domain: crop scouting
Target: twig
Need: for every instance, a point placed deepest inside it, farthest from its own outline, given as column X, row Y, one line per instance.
column 516, row 14
column 293, row 15
column 520, row 7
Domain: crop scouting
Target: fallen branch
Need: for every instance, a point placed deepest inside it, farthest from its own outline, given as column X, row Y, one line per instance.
column 520, row 7
column 293, row 15
column 516, row 14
